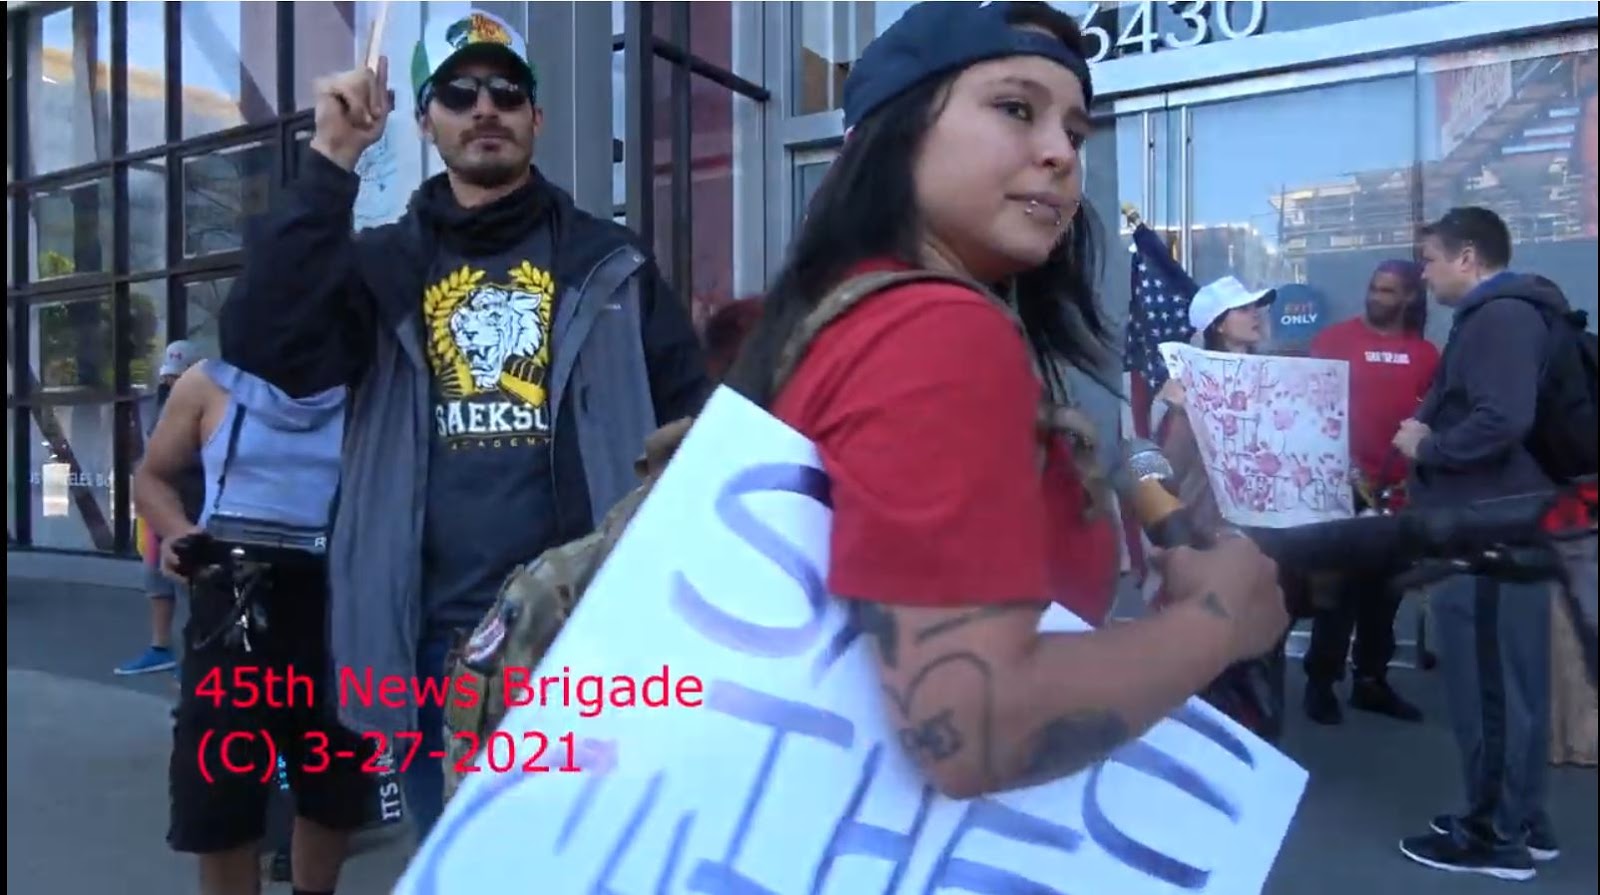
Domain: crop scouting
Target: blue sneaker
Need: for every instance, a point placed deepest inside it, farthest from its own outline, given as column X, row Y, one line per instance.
column 156, row 658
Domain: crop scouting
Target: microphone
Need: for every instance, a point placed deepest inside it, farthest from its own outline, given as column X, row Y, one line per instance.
column 1143, row 480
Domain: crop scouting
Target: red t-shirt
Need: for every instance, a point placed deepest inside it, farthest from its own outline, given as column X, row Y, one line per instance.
column 922, row 403
column 1572, row 512
column 1389, row 375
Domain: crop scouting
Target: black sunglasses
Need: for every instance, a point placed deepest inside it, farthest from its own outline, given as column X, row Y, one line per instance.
column 460, row 94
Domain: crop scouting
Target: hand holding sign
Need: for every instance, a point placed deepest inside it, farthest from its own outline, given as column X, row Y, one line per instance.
column 789, row 778
column 1274, row 433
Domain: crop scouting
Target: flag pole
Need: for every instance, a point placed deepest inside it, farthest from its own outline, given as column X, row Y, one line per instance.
column 1130, row 214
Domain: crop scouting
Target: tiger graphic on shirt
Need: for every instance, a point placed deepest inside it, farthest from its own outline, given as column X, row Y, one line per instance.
column 489, row 346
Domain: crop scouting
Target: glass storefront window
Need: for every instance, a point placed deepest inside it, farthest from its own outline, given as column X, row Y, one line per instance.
column 724, row 132
column 147, row 215
column 204, row 299
column 72, row 496
column 147, row 311
column 11, row 474
column 147, row 75
column 326, row 42
column 661, row 176
column 711, row 36
column 69, row 86
column 619, row 122
column 72, row 345
column 808, row 174
column 70, row 229
column 228, row 80
column 829, row 36
column 11, row 424
column 220, row 190
column 1513, row 129
column 1276, row 202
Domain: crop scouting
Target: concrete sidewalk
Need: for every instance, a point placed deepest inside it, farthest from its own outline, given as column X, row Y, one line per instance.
column 87, row 800
column 86, row 764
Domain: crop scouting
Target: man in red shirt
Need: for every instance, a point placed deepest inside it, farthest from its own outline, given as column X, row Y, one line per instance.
column 1391, row 366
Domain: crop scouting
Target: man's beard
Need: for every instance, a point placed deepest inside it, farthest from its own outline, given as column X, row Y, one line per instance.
column 1383, row 315
column 488, row 173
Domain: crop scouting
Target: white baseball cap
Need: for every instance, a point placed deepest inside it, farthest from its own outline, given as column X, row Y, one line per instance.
column 1222, row 296
column 181, row 355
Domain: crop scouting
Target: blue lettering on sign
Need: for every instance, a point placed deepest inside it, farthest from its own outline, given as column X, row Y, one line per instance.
column 1212, row 729
column 838, row 645
column 630, row 830
column 785, row 717
column 738, row 634
column 476, row 803
column 599, row 762
column 982, row 879
column 580, row 808
column 1147, row 759
column 853, row 837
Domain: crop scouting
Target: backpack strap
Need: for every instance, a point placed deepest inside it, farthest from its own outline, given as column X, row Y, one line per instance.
column 845, row 296
column 227, row 458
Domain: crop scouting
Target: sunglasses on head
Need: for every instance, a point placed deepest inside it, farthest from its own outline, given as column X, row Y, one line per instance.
column 459, row 94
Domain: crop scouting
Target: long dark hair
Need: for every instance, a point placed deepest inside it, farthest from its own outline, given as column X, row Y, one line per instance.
column 866, row 209
column 1414, row 316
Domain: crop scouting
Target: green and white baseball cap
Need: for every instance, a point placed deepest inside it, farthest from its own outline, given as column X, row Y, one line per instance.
column 446, row 40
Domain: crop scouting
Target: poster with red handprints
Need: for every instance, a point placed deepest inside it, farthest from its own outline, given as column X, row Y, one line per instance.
column 1274, row 433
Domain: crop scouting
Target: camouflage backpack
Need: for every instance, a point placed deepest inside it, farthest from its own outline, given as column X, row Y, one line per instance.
column 538, row 597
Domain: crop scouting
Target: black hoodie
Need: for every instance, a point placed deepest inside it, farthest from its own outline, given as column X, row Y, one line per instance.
column 1482, row 402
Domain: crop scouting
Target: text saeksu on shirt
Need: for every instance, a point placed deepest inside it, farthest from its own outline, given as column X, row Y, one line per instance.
column 251, row 686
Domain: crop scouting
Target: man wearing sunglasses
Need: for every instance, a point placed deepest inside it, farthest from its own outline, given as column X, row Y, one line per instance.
column 507, row 355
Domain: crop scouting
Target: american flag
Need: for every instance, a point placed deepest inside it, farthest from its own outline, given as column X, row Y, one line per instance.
column 1158, row 312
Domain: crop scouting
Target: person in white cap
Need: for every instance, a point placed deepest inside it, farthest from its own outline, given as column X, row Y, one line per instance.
column 1229, row 317
column 1226, row 317
column 162, row 591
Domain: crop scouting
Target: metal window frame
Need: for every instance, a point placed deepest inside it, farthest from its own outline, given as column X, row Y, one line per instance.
column 1329, row 54
column 116, row 284
column 639, row 164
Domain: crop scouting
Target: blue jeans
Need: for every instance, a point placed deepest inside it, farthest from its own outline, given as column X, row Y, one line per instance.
column 424, row 779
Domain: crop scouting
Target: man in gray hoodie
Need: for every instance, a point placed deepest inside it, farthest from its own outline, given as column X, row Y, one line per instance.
column 1468, row 441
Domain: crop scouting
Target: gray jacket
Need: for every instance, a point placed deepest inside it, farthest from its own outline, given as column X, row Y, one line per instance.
column 317, row 306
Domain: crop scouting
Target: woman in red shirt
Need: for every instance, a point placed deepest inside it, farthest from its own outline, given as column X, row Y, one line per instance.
column 964, row 126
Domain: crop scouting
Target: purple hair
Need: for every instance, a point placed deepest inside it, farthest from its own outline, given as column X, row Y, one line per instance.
column 1415, row 317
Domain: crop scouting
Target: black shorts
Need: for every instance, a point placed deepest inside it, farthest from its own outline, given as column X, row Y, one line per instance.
column 229, row 809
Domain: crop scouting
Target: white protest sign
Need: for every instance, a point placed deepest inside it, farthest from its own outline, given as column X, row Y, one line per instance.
column 1274, row 433
column 788, row 778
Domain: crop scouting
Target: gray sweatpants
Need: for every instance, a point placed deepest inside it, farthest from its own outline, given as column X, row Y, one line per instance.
column 1580, row 557
column 1494, row 652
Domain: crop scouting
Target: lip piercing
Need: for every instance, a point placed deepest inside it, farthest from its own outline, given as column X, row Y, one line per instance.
column 1034, row 203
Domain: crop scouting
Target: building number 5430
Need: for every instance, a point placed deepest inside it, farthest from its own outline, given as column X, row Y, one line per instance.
column 1204, row 21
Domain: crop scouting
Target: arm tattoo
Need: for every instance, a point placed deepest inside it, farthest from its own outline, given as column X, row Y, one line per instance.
column 874, row 620
column 967, row 618
column 1213, row 604
column 1071, row 743
column 1059, row 748
column 938, row 738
